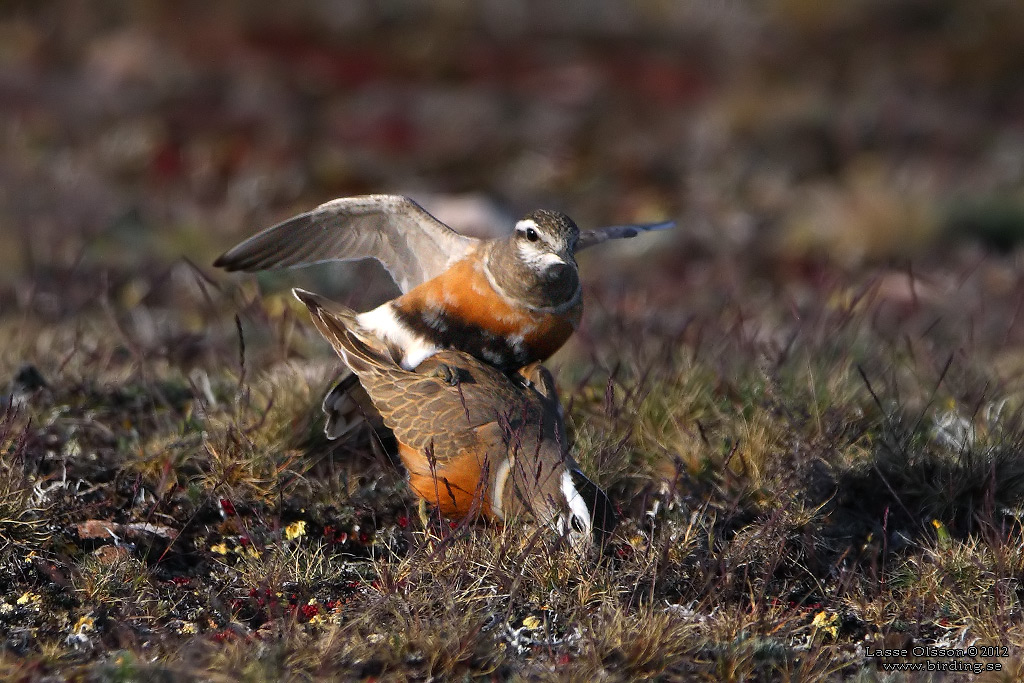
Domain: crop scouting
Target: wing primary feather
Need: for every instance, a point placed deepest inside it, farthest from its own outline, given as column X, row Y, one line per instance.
column 612, row 232
column 268, row 249
column 411, row 244
column 304, row 253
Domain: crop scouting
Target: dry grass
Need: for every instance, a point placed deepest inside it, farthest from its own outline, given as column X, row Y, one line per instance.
column 796, row 485
column 809, row 461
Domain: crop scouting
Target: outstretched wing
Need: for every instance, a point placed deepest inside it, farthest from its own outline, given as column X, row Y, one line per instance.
column 589, row 238
column 413, row 245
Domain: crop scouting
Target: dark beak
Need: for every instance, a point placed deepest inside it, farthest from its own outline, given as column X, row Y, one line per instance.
column 558, row 272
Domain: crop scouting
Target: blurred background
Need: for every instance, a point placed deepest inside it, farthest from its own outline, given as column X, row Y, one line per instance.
column 779, row 136
column 842, row 298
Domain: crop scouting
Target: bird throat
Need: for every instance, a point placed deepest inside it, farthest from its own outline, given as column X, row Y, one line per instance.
column 521, row 282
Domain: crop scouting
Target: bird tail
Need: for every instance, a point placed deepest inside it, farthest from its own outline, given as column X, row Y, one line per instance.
column 339, row 326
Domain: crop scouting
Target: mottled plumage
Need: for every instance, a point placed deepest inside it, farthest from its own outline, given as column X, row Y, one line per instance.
column 475, row 441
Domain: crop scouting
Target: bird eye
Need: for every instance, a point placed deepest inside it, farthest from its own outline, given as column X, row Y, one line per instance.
column 577, row 524
column 532, row 235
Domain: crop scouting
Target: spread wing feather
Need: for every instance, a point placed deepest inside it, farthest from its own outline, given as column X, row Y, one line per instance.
column 589, row 238
column 413, row 245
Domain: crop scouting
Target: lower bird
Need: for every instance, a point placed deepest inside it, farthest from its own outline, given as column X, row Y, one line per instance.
column 476, row 442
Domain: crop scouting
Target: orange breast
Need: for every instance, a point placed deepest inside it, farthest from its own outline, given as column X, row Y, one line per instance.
column 459, row 488
column 463, row 294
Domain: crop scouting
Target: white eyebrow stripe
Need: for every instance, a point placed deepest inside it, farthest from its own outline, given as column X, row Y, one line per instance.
column 575, row 500
column 543, row 236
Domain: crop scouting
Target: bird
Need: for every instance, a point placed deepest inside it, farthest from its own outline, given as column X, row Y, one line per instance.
column 508, row 301
column 475, row 442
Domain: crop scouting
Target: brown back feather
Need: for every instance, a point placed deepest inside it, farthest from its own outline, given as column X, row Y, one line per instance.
column 443, row 403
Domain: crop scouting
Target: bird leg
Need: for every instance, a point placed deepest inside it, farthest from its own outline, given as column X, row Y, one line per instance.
column 447, row 373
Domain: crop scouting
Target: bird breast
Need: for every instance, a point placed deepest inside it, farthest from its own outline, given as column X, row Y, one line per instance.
column 461, row 310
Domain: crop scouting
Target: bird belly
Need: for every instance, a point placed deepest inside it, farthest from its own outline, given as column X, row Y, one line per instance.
column 459, row 487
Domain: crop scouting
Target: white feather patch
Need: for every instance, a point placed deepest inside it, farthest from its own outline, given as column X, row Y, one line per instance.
column 383, row 323
column 526, row 223
column 500, row 479
column 538, row 258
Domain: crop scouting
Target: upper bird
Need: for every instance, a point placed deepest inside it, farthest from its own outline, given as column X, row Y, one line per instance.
column 508, row 301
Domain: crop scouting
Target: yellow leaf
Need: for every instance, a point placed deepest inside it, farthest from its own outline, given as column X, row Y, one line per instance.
column 829, row 623
column 295, row 529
